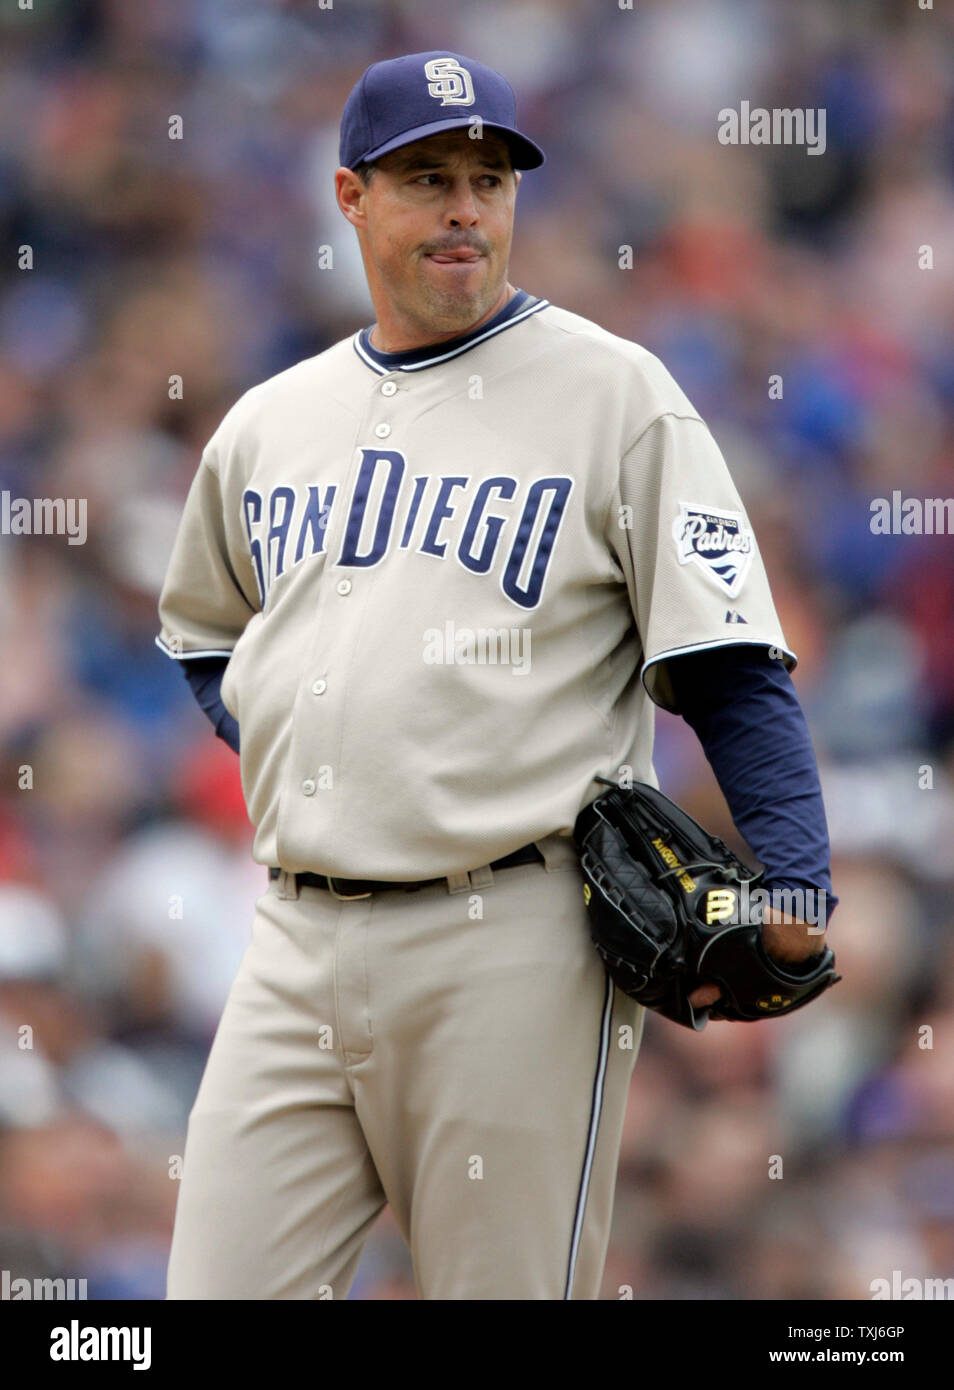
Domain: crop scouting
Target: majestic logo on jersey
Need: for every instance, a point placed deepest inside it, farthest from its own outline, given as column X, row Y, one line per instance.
column 448, row 82
column 491, row 525
column 720, row 542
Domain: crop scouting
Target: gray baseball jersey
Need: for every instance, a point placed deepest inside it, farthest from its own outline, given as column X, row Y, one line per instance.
column 448, row 582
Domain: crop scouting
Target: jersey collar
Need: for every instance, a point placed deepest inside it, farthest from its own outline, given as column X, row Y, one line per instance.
column 520, row 306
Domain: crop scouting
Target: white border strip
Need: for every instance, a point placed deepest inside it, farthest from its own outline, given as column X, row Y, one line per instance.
column 455, row 352
column 186, row 656
column 595, row 1111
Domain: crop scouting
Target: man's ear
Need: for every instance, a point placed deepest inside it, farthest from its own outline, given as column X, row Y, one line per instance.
column 349, row 192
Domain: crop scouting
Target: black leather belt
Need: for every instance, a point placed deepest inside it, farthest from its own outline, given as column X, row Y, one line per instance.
column 364, row 887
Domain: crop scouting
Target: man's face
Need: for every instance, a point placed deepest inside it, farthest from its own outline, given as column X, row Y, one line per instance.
column 435, row 225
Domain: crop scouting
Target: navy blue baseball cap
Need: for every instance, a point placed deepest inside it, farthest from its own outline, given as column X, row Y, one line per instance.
column 403, row 99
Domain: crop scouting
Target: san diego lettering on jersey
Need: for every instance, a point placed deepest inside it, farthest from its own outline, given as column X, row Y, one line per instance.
column 489, row 525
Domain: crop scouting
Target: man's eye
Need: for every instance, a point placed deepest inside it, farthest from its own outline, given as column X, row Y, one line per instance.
column 493, row 179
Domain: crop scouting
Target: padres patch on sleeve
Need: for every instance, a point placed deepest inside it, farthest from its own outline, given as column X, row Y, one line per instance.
column 720, row 542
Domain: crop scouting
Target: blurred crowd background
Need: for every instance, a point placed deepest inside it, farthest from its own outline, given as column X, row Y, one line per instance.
column 126, row 883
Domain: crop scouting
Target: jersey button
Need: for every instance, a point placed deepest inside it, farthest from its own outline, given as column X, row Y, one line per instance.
column 344, row 586
column 382, row 431
column 319, row 687
column 308, row 787
column 388, row 388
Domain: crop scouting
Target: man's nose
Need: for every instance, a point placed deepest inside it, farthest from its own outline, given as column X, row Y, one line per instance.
column 461, row 210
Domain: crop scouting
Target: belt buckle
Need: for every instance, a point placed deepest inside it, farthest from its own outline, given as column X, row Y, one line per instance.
column 343, row 897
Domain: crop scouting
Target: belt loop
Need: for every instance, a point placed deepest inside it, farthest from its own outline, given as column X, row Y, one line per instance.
column 288, row 886
column 458, row 883
column 559, row 852
column 482, row 877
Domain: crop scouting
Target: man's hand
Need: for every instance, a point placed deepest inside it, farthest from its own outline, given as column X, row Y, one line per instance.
column 787, row 939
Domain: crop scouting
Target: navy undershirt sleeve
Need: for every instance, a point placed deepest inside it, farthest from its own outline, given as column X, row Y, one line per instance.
column 204, row 675
column 746, row 713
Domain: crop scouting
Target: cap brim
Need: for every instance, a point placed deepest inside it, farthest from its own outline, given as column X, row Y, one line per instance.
column 524, row 153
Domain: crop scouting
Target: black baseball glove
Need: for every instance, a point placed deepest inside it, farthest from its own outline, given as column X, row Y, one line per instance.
column 667, row 913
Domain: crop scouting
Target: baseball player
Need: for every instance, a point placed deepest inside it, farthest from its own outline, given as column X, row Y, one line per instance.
column 430, row 583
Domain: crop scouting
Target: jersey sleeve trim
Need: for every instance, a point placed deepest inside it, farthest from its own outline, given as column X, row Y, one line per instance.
column 188, row 656
column 790, row 664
